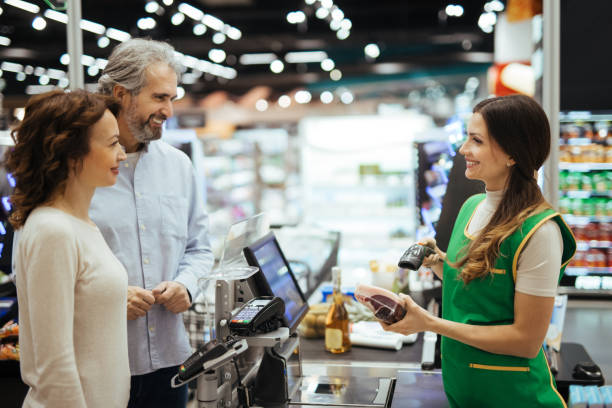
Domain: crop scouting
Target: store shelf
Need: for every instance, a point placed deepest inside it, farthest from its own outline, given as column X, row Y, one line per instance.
column 586, row 194
column 585, row 166
column 578, row 271
column 583, row 219
column 586, row 245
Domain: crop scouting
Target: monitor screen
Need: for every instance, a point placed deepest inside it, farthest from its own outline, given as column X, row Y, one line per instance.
column 275, row 278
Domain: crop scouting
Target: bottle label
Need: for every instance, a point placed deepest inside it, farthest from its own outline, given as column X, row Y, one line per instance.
column 333, row 339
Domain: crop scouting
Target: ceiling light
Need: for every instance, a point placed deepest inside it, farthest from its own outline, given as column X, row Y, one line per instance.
column 327, row 3
column 151, row 7
column 328, row 64
column 180, row 92
column 486, row 21
column 29, row 70
column 327, row 97
column 168, row 2
column 65, row 59
column 300, row 57
column 93, row 70
column 87, row 60
column 453, row 10
column 21, row 76
column 335, row 25
column 5, row 41
column 277, row 66
column 255, row 59
column 56, row 15
column 103, row 42
column 310, row 2
column 146, row 23
column 372, row 50
column 92, row 27
column 302, row 97
column 261, row 105
column 24, row 5
column 217, row 55
column 218, row 38
column 191, row 11
column 343, row 34
column 55, row 73
column 63, row 82
column 296, row 17
column 233, row 33
column 43, row 80
column 346, row 97
column 39, row 23
column 213, row 22
column 322, row 13
column 494, row 5
column 101, row 63
column 177, row 18
column 117, row 35
column 284, row 101
column 11, row 67
column 335, row 75
column 346, row 24
column 337, row 14
column 38, row 71
column 199, row 29
column 1, row 11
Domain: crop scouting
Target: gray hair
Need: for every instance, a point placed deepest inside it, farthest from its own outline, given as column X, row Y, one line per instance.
column 129, row 60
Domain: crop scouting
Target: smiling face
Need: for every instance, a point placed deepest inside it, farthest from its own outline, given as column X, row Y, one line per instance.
column 144, row 113
column 100, row 166
column 485, row 160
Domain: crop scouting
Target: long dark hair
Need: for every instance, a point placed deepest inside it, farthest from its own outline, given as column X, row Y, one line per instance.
column 520, row 127
column 53, row 133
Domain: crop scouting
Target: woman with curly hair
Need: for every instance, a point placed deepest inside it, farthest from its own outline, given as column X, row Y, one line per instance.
column 506, row 255
column 70, row 287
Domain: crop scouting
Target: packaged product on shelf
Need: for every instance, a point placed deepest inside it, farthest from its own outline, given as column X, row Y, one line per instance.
column 608, row 154
column 564, row 205
column 579, row 260
column 609, row 208
column 600, row 207
column 591, row 231
column 586, row 182
column 609, row 258
column 565, row 155
column 579, row 232
column 600, row 182
column 588, row 207
column 576, row 207
column 563, row 180
column 572, row 181
column 605, row 232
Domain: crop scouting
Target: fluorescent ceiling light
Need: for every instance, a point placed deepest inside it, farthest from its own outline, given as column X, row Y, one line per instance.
column 255, row 59
column 233, row 33
column 190, row 11
column 305, row 56
column 213, row 22
column 5, row 41
column 11, row 67
column 92, row 27
column 117, row 34
column 56, row 15
column 24, row 5
column 56, row 73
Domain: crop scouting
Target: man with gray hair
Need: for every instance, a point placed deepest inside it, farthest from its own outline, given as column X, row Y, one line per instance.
column 153, row 219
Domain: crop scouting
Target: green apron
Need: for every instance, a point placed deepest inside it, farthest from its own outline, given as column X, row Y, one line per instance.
column 476, row 378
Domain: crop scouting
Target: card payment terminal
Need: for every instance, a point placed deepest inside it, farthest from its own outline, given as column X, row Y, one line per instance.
column 259, row 315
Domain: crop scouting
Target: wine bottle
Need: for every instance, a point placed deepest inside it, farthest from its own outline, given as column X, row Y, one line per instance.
column 337, row 322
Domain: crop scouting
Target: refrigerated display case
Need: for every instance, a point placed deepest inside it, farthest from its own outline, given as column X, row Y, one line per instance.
column 358, row 178
column 585, row 200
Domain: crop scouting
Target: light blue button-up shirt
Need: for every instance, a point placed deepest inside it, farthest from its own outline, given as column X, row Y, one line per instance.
column 154, row 221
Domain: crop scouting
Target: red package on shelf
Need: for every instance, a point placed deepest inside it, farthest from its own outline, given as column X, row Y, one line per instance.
column 386, row 305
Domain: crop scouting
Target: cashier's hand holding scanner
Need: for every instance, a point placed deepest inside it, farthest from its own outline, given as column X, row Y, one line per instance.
column 172, row 295
column 506, row 254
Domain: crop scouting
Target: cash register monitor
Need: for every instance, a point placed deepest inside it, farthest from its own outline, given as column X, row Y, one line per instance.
column 275, row 278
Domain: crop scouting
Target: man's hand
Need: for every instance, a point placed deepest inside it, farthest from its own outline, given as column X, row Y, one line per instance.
column 172, row 295
column 139, row 301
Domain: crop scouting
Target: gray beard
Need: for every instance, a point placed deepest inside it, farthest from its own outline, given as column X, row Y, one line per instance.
column 141, row 131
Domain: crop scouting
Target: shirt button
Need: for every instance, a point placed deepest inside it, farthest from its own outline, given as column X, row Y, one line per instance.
column 142, row 227
column 146, row 261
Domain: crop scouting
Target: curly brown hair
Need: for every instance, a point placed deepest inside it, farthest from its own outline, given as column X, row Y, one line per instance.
column 53, row 134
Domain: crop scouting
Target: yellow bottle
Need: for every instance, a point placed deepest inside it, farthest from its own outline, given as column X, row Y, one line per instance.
column 337, row 322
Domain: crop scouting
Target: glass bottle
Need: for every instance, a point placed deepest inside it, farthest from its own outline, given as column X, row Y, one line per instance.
column 337, row 322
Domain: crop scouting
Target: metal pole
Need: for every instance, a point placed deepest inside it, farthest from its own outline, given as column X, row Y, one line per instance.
column 551, row 82
column 75, row 45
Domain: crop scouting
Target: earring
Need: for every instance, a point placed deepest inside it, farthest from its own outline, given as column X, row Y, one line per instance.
column 508, row 164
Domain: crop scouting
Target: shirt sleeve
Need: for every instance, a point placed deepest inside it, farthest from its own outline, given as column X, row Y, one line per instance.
column 197, row 260
column 539, row 263
column 50, row 268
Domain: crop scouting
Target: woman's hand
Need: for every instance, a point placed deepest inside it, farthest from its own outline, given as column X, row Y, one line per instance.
column 434, row 259
column 415, row 320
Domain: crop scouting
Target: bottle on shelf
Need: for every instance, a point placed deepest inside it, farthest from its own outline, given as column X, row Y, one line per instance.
column 337, row 322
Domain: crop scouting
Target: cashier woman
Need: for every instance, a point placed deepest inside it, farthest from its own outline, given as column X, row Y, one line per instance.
column 506, row 254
